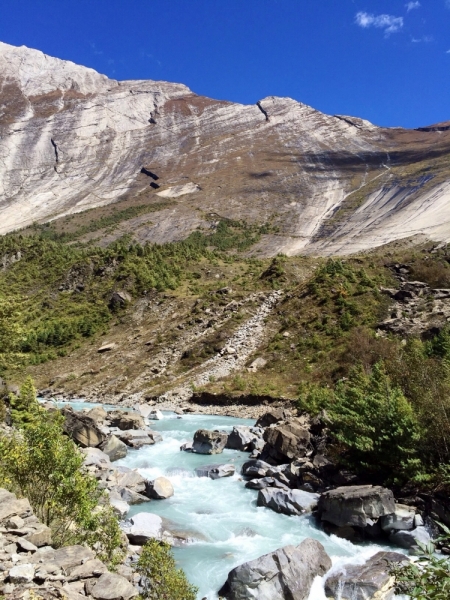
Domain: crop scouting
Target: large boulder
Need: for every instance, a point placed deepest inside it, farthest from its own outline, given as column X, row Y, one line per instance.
column 370, row 581
column 266, row 482
column 143, row 527
column 98, row 414
column 286, row 574
column 272, row 416
column 136, row 438
column 254, row 469
column 125, row 420
column 72, row 556
column 356, row 505
column 244, row 438
column 288, row 502
column 287, row 441
column 111, row 586
column 114, row 448
column 159, row 489
column 82, row 428
column 96, row 457
column 209, row 442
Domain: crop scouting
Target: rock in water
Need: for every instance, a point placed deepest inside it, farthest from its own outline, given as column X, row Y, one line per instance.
column 356, row 505
column 371, row 581
column 288, row 502
column 401, row 519
column 409, row 539
column 159, row 489
column 287, row 440
column 82, row 428
column 209, row 442
column 114, row 448
column 286, row 574
column 143, row 526
column 215, row 471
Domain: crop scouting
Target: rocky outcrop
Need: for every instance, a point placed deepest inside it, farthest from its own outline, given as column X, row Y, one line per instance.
column 209, row 442
column 288, row 502
column 286, row 574
column 159, row 489
column 114, row 448
column 370, row 581
column 125, row 420
column 82, row 428
column 286, row 440
column 358, row 506
column 72, row 139
column 143, row 527
column 35, row 569
column 245, row 438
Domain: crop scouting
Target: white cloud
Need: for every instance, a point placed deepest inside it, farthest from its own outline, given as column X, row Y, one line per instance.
column 412, row 5
column 426, row 38
column 389, row 23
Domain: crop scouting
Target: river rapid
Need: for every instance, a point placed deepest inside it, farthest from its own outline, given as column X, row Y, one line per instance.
column 221, row 516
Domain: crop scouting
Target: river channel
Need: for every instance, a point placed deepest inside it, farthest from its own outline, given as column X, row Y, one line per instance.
column 221, row 515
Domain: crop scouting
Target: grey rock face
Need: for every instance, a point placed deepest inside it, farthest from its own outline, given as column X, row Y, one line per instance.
column 22, row 574
column 244, row 438
column 286, row 574
column 356, row 505
column 288, row 502
column 125, row 420
column 111, row 586
column 255, row 469
column 144, row 526
column 82, row 429
column 215, row 471
column 114, row 448
column 409, row 539
column 160, row 488
column 364, row 582
column 209, row 442
column 265, row 482
column 401, row 519
column 72, row 556
column 287, row 440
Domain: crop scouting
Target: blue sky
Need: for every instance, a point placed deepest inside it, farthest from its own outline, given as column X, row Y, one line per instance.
column 384, row 60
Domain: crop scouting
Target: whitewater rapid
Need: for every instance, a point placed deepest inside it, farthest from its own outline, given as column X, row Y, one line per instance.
column 220, row 517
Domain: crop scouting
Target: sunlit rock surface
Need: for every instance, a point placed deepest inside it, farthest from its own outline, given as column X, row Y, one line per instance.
column 72, row 139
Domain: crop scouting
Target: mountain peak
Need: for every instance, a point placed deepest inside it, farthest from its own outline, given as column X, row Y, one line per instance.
column 37, row 73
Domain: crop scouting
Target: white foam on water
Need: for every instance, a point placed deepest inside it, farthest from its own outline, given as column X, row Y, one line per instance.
column 221, row 515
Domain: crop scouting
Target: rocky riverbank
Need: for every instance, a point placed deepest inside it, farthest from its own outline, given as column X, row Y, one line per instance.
column 292, row 473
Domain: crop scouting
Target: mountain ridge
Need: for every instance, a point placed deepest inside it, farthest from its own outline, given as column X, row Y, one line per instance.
column 71, row 139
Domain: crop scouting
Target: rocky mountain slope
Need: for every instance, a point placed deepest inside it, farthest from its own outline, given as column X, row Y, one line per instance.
column 72, row 139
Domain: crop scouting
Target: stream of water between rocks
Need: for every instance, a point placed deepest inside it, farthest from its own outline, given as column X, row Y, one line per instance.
column 221, row 515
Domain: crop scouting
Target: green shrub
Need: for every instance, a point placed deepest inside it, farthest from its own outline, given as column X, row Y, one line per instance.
column 429, row 577
column 163, row 581
column 314, row 398
column 42, row 464
column 24, row 407
column 375, row 424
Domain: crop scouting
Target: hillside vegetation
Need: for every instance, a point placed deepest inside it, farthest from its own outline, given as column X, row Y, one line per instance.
column 167, row 309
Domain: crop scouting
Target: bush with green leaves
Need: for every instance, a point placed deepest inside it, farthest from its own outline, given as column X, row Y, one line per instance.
column 162, row 580
column 39, row 462
column 24, row 406
column 375, row 425
column 428, row 578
